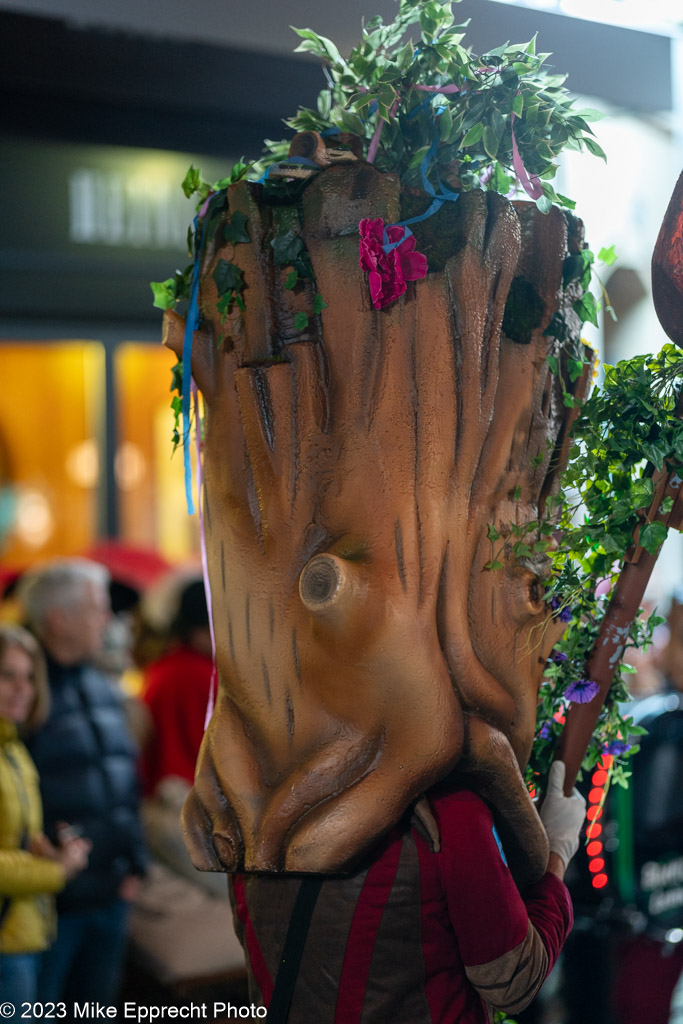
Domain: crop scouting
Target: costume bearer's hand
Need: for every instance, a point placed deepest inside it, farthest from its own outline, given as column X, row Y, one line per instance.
column 562, row 816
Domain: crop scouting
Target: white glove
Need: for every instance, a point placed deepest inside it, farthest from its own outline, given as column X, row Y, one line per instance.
column 562, row 816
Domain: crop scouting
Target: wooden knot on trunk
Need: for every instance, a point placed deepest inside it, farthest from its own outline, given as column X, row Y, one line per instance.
column 311, row 146
column 329, row 587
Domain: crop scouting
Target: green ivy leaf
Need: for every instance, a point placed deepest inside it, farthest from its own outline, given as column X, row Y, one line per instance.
column 236, row 230
column 228, row 277
column 587, row 309
column 224, row 304
column 493, row 532
column 319, row 304
column 575, row 368
column 655, row 454
column 292, row 278
column 177, row 376
column 192, row 181
column 642, row 492
column 164, row 293
column 652, row 536
column 301, row 321
column 608, row 256
column 286, row 248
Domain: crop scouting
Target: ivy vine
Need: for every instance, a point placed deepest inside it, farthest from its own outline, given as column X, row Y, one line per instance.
column 628, row 426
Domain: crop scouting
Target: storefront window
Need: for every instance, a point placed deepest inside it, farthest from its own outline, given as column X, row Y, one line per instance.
column 51, row 428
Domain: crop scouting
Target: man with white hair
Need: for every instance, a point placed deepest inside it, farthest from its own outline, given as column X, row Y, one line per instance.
column 87, row 764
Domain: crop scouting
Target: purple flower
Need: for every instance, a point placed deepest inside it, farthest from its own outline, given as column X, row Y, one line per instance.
column 581, row 691
column 558, row 657
column 563, row 614
column 546, row 731
column 617, row 747
column 388, row 271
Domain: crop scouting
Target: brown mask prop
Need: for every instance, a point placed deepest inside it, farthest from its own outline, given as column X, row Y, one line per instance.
column 352, row 471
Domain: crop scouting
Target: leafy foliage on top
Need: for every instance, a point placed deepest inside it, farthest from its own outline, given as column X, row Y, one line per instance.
column 501, row 93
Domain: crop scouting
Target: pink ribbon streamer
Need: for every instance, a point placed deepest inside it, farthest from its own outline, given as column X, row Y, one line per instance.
column 530, row 183
column 374, row 142
column 202, row 543
column 444, row 89
column 437, row 88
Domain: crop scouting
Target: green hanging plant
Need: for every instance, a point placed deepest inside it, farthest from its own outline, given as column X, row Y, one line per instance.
column 630, row 423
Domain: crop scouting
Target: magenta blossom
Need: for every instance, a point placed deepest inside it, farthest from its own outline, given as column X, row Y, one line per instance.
column 388, row 271
column 581, row 691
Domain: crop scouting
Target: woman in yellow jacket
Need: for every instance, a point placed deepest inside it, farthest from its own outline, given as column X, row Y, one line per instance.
column 31, row 868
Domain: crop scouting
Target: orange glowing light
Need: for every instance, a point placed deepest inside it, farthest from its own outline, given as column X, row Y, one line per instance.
column 594, row 848
column 599, row 881
column 595, row 795
column 596, row 865
column 593, row 830
column 593, row 813
column 599, row 778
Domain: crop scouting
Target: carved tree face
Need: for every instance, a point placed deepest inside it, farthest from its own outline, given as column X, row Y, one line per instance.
column 351, row 473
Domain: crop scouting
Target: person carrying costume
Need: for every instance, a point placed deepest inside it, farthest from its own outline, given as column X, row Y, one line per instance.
column 426, row 930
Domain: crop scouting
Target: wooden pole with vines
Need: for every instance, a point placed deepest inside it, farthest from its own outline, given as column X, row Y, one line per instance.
column 667, row 287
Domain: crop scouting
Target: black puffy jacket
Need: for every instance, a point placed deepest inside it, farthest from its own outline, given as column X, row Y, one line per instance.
column 87, row 764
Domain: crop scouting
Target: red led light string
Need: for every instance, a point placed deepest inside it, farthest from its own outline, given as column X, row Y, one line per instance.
column 596, row 799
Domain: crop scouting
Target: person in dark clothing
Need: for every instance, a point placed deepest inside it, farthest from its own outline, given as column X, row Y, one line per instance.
column 88, row 772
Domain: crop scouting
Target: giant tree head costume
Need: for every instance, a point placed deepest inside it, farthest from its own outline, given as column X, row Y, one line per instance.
column 370, row 475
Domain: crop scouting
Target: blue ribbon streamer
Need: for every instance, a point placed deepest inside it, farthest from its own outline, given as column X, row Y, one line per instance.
column 303, row 160
column 439, row 198
column 499, row 844
column 191, row 325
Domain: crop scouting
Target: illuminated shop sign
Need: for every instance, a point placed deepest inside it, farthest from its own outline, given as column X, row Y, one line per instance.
column 85, row 228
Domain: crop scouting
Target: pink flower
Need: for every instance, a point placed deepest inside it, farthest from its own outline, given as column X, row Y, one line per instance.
column 388, row 271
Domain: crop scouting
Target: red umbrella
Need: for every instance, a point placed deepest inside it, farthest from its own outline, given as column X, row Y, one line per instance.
column 138, row 567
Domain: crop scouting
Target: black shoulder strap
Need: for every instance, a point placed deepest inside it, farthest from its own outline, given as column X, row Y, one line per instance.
column 299, row 923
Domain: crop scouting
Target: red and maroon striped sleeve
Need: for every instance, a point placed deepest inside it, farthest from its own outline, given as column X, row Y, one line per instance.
column 508, row 944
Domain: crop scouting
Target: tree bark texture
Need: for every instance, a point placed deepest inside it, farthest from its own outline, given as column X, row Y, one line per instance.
column 351, row 474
